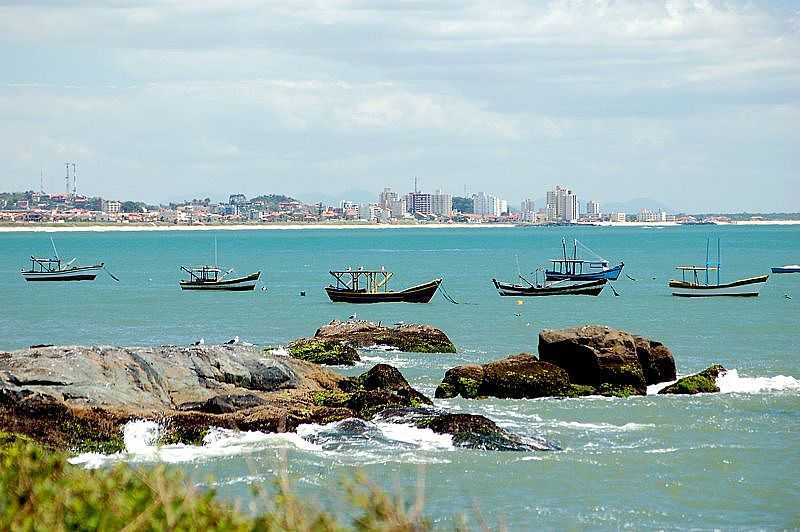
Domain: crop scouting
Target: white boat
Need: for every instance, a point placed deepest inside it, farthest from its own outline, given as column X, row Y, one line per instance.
column 697, row 286
column 46, row 269
column 789, row 268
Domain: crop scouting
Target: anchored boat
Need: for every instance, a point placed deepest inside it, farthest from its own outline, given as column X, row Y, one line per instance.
column 589, row 288
column 699, row 285
column 789, row 268
column 46, row 269
column 575, row 269
column 372, row 286
column 213, row 278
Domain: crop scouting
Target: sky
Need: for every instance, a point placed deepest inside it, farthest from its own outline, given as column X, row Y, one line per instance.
column 693, row 103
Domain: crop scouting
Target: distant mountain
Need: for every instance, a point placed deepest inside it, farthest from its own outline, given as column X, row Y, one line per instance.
column 634, row 206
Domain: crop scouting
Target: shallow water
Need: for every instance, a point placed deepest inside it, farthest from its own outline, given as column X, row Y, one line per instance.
column 724, row 460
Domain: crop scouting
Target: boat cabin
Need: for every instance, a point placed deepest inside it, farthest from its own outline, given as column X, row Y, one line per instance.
column 695, row 273
column 203, row 274
column 368, row 281
column 575, row 266
column 45, row 265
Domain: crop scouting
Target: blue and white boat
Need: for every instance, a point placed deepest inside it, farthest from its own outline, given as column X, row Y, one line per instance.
column 575, row 269
column 789, row 268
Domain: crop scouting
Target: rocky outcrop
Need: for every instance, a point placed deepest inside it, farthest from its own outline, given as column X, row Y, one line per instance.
column 613, row 362
column 468, row 430
column 703, row 382
column 518, row 376
column 405, row 337
column 329, row 352
column 78, row 398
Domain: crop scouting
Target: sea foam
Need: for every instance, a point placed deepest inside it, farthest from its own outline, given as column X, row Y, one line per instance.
column 731, row 382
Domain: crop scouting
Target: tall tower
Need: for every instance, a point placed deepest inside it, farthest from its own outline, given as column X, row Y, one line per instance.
column 67, row 177
column 74, row 180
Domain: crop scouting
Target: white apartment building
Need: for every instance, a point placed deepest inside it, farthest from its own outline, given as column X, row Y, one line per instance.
column 486, row 205
column 442, row 204
column 646, row 215
column 562, row 205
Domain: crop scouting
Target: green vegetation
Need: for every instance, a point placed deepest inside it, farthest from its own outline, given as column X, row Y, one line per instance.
column 39, row 490
column 331, row 398
column 693, row 384
column 463, row 205
column 319, row 351
column 468, row 387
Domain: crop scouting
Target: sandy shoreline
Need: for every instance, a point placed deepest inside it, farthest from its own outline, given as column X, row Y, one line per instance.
column 36, row 228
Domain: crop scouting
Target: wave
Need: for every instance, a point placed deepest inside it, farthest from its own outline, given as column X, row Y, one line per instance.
column 350, row 440
column 732, row 382
column 606, row 427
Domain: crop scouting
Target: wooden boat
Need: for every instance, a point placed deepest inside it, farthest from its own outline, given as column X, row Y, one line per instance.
column 572, row 269
column 699, row 287
column 789, row 268
column 212, row 278
column 46, row 269
column 372, row 286
column 589, row 288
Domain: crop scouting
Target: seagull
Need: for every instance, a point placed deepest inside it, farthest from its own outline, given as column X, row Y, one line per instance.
column 201, row 341
column 400, row 323
column 517, row 314
column 787, row 296
column 233, row 341
column 352, row 317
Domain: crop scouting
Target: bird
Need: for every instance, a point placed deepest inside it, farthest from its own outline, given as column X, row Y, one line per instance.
column 201, row 341
column 517, row 314
column 263, row 288
column 233, row 341
column 399, row 323
column 352, row 317
column 787, row 296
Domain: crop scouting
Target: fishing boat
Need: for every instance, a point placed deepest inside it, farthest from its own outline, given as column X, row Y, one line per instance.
column 47, row 269
column 372, row 286
column 213, row 278
column 699, row 284
column 588, row 288
column 576, row 269
column 789, row 268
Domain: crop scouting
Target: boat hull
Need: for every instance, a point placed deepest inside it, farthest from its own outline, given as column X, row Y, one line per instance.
column 591, row 288
column 742, row 288
column 86, row 273
column 238, row 284
column 611, row 274
column 787, row 269
column 416, row 294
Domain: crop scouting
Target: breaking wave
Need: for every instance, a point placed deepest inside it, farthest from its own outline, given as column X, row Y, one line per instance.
column 732, row 382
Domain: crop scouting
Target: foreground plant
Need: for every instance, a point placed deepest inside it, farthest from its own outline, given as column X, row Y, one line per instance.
column 40, row 490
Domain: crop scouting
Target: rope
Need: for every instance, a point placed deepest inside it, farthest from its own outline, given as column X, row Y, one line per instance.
column 616, row 294
column 590, row 250
column 111, row 274
column 449, row 298
column 629, row 277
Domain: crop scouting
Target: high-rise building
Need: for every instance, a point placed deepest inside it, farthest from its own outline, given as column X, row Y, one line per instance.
column 419, row 203
column 592, row 208
column 387, row 197
column 486, row 205
column 562, row 205
column 528, row 210
column 441, row 204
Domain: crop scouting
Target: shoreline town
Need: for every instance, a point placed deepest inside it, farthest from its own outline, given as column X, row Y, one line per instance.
column 70, row 210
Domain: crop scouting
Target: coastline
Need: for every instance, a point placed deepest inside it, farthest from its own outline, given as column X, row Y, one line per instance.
column 98, row 228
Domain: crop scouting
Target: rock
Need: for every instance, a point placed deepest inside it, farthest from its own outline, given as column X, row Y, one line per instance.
column 410, row 338
column 468, row 430
column 597, row 355
column 380, row 387
column 518, row 376
column 658, row 364
column 703, row 382
column 331, row 352
column 79, row 397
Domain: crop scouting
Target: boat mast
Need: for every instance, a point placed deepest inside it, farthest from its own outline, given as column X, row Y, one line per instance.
column 719, row 261
column 708, row 263
column 54, row 247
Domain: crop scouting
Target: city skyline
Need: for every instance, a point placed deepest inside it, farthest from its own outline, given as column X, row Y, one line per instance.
column 624, row 100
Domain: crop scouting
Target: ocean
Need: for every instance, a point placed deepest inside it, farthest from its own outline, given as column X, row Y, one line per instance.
column 727, row 460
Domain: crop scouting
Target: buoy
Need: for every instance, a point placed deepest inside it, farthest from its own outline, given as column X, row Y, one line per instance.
column 520, row 302
column 303, row 293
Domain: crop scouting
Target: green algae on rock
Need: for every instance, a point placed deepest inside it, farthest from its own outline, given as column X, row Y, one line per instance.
column 703, row 382
column 329, row 352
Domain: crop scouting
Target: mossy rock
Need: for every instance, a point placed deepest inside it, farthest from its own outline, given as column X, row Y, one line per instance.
column 580, row 390
column 618, row 390
column 703, row 382
column 445, row 391
column 469, row 387
column 84, row 438
column 324, row 351
column 333, row 398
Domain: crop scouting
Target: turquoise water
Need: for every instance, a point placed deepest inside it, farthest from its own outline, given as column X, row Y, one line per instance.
column 726, row 460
